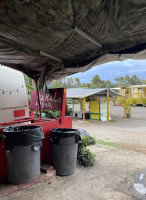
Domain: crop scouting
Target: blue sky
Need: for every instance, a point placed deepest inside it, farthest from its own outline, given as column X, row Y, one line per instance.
column 113, row 70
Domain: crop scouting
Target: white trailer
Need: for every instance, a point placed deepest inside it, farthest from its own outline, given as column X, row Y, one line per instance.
column 13, row 95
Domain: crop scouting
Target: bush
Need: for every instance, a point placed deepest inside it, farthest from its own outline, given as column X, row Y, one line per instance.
column 51, row 114
column 133, row 101
column 114, row 101
column 68, row 111
column 88, row 140
column 143, row 100
column 120, row 100
column 85, row 157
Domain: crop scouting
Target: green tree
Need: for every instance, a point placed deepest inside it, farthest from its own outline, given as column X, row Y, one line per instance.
column 143, row 81
column 108, row 84
column 135, row 80
column 127, row 80
column 77, row 82
column 95, row 81
column 120, row 80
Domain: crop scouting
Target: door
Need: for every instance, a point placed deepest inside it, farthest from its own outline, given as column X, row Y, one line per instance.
column 94, row 109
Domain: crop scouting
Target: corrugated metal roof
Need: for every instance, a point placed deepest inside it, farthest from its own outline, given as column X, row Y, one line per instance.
column 137, row 86
column 133, row 86
column 85, row 92
column 117, row 88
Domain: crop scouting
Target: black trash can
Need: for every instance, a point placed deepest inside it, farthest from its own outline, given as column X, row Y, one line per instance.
column 64, row 150
column 87, row 116
column 23, row 144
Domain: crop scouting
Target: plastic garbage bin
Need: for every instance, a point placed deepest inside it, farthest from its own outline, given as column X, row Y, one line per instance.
column 64, row 150
column 23, row 144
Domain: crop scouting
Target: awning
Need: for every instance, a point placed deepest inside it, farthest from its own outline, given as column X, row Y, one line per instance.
column 80, row 93
column 56, row 38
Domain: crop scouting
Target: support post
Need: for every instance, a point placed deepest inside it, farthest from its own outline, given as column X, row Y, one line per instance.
column 84, row 110
column 125, row 108
column 81, row 107
column 39, row 101
column 73, row 105
column 107, row 104
column 63, row 106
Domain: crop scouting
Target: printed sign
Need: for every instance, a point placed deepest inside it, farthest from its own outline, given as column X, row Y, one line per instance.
column 50, row 101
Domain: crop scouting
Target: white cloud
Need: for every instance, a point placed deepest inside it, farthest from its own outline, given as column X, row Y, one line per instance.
column 95, row 68
column 127, row 63
column 137, row 70
column 118, row 73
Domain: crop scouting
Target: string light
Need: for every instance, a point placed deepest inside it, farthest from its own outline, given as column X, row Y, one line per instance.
column 11, row 91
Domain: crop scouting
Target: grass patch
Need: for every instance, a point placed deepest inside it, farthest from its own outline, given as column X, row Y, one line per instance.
column 112, row 144
column 112, row 120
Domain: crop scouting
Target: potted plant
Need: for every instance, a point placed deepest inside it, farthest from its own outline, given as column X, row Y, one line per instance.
column 127, row 107
column 128, row 111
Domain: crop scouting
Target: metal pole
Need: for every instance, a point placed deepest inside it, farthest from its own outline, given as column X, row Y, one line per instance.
column 63, row 105
column 84, row 110
column 81, row 107
column 107, row 104
column 73, row 104
column 39, row 101
column 125, row 108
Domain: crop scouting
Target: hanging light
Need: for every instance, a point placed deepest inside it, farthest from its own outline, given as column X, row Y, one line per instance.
column 87, row 36
column 50, row 56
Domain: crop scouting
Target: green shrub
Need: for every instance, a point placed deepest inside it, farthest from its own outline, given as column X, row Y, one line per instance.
column 88, row 140
column 68, row 111
column 114, row 100
column 85, row 157
column 120, row 100
column 51, row 114
column 133, row 101
column 143, row 100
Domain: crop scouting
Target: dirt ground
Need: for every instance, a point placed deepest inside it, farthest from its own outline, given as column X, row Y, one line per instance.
column 130, row 133
column 111, row 177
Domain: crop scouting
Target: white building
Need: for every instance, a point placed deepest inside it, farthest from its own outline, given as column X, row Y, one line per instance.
column 97, row 99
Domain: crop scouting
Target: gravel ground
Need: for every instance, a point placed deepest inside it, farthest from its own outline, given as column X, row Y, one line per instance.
column 111, row 177
column 130, row 133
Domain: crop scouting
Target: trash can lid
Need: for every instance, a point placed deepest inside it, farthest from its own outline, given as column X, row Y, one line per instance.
column 64, row 132
column 20, row 128
column 25, row 130
column 59, row 133
column 22, row 135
